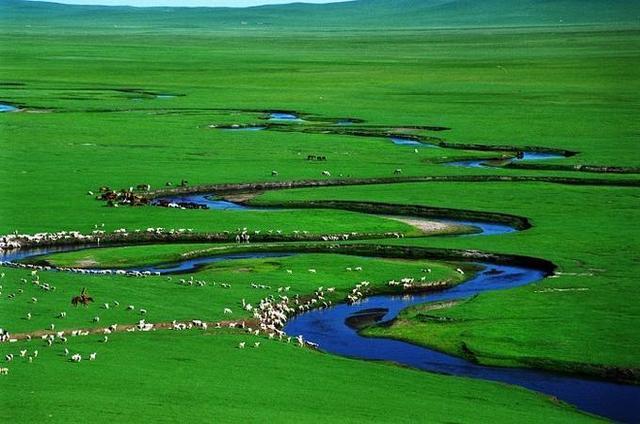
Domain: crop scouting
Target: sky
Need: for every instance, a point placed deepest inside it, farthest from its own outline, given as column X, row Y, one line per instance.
column 188, row 3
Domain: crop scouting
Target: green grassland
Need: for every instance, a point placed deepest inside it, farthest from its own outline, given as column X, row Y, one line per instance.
column 176, row 377
column 158, row 295
column 446, row 80
column 388, row 14
column 585, row 231
column 561, row 86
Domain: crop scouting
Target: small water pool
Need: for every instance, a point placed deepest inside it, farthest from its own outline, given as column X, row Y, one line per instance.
column 399, row 141
column 7, row 108
column 283, row 116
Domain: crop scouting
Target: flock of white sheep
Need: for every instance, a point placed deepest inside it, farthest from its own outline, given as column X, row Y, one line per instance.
column 269, row 315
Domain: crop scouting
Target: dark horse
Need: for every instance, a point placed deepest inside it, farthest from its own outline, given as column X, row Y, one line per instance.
column 83, row 299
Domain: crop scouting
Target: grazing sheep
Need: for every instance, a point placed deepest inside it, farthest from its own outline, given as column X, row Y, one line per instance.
column 8, row 357
column 227, row 311
column 460, row 271
column 241, row 345
column 76, row 357
column 256, row 344
column 4, row 371
column 398, row 171
column 92, row 357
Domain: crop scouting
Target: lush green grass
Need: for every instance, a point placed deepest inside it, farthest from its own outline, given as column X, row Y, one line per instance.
column 193, row 377
column 446, row 80
column 584, row 230
column 391, row 14
column 571, row 88
column 166, row 299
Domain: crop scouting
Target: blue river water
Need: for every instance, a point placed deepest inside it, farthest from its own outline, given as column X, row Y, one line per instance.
column 192, row 265
column 280, row 116
column 329, row 327
column 7, row 108
column 487, row 228
column 527, row 156
column 399, row 141
column 210, row 201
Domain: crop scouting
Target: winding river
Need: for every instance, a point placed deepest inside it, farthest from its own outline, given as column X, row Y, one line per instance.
column 333, row 329
column 330, row 328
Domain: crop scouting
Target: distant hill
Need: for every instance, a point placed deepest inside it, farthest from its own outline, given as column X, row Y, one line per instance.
column 354, row 14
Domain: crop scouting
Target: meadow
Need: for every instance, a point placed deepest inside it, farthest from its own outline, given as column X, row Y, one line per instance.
column 91, row 116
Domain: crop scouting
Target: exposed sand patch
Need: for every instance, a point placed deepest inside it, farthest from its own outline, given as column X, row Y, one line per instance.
column 86, row 263
column 425, row 225
column 241, row 197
